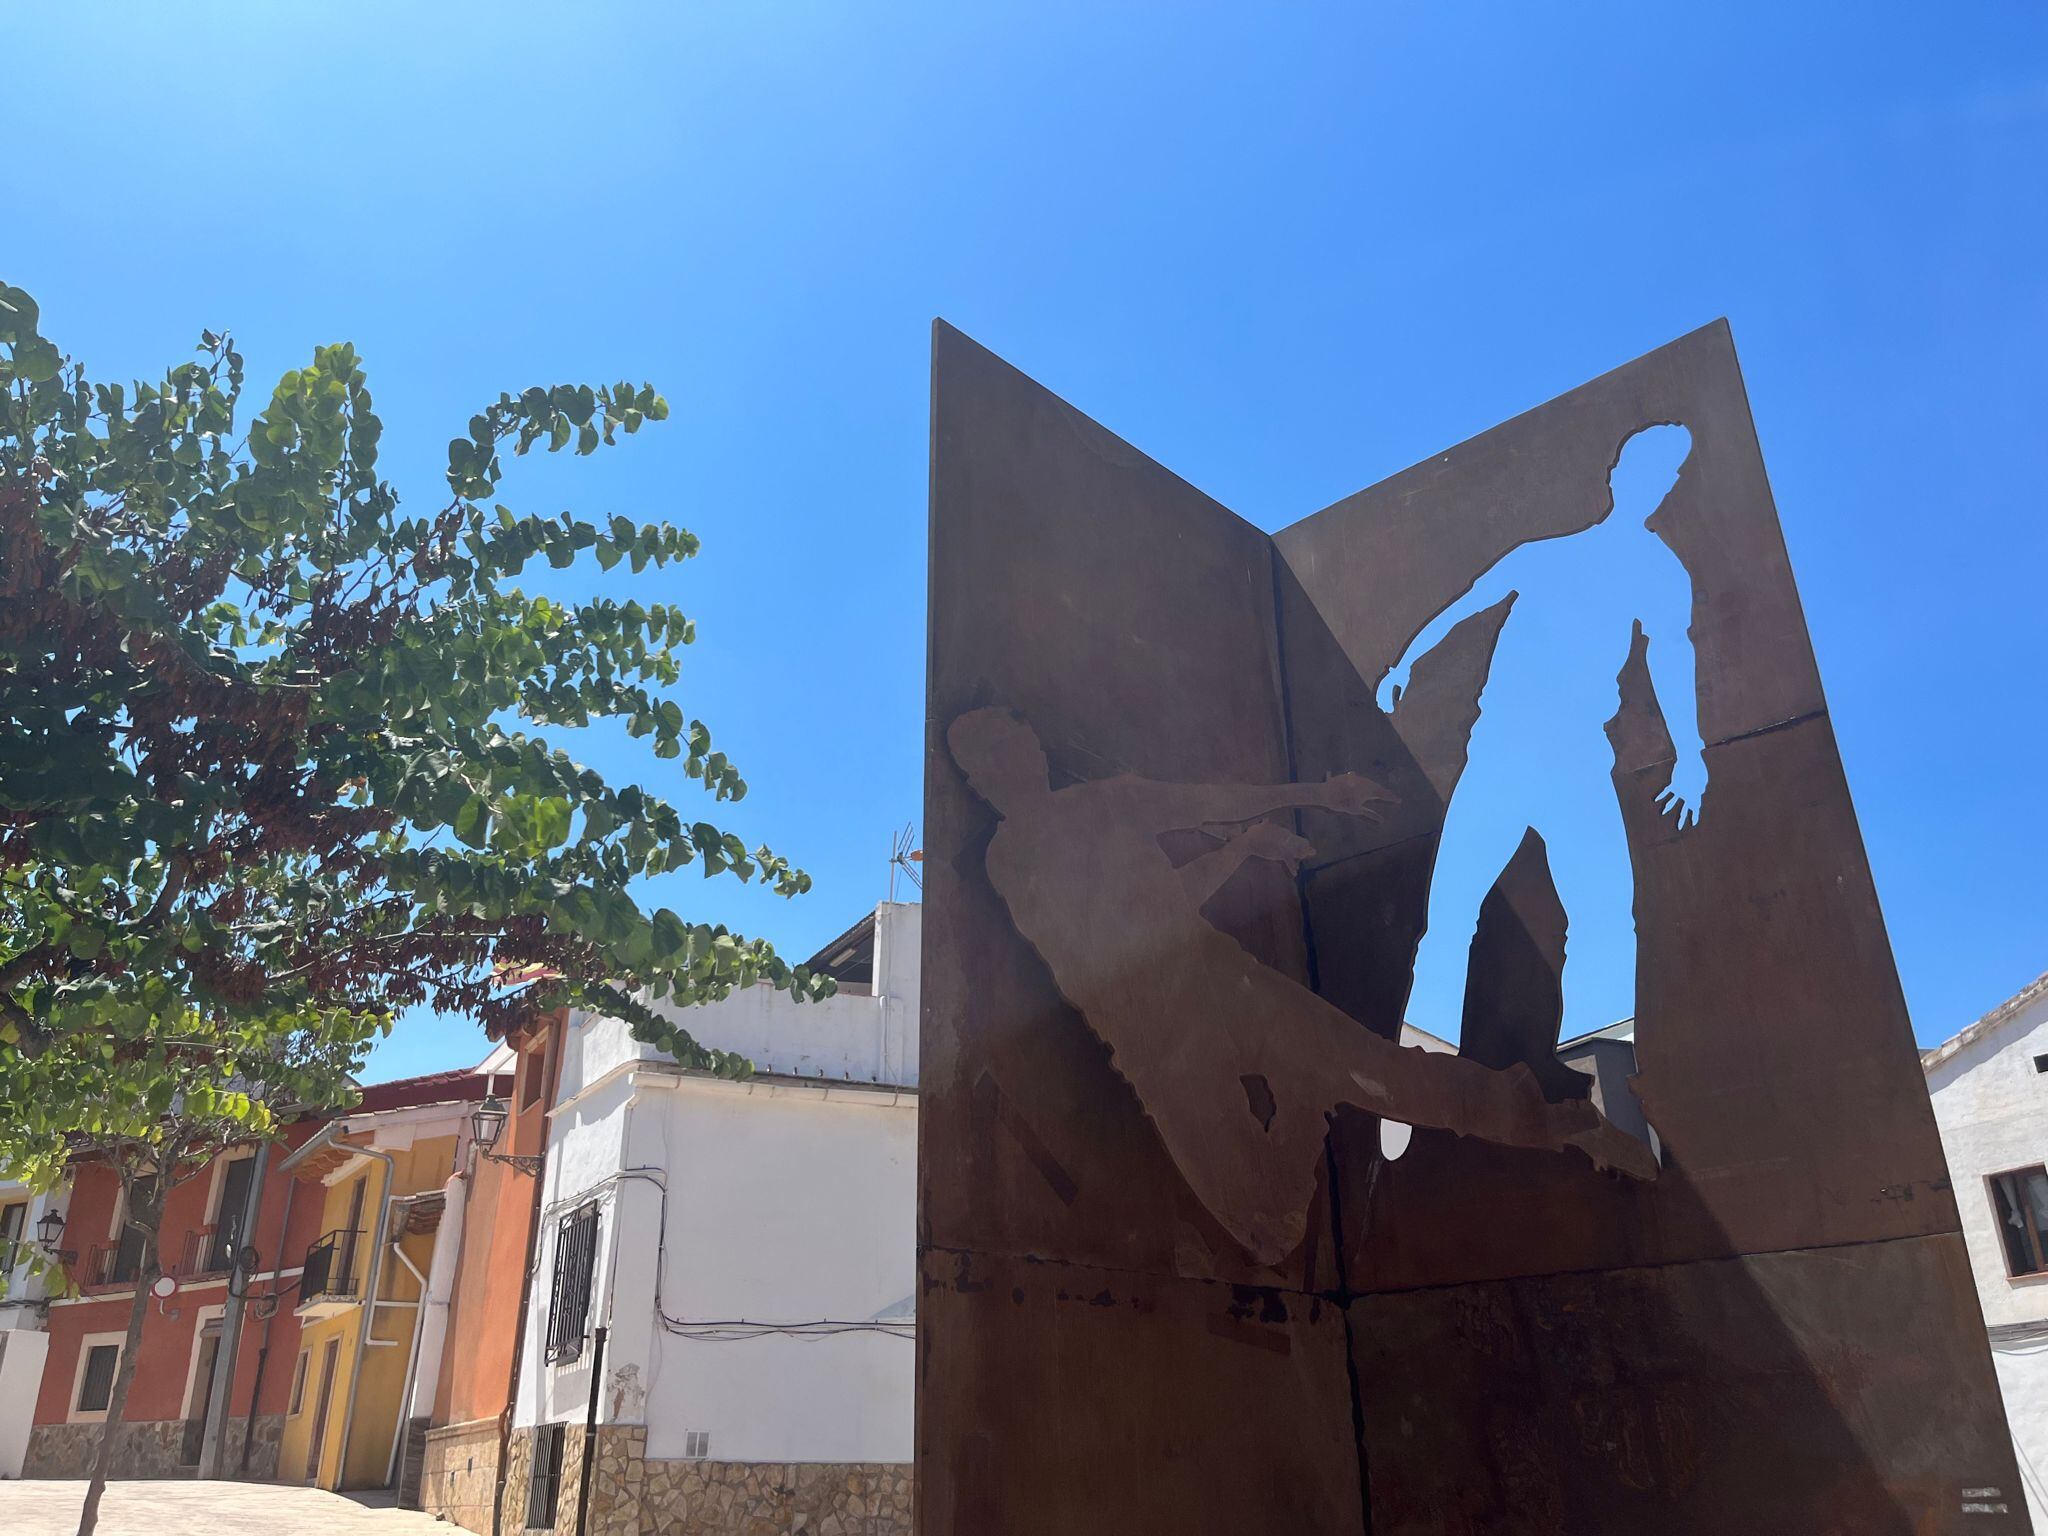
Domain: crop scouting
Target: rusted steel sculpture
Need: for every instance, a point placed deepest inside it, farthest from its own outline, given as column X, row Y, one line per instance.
column 1178, row 863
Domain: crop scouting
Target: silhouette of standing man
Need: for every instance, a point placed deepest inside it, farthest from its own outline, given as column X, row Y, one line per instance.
column 1539, row 756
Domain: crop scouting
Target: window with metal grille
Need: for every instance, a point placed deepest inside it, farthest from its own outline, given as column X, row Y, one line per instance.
column 569, row 1302
column 96, row 1385
column 544, row 1486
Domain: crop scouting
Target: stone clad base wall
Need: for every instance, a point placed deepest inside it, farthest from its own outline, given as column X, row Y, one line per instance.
column 700, row 1498
column 633, row 1496
column 146, row 1448
column 460, row 1474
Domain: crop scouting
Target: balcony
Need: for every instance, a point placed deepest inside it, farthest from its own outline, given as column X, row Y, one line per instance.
column 205, row 1255
column 331, row 1282
column 110, row 1264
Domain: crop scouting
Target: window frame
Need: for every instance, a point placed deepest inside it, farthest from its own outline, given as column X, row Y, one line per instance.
column 530, row 1072
column 216, row 1313
column 573, row 1250
column 297, row 1402
column 87, row 1343
column 12, row 1243
column 219, row 1215
column 2035, row 1237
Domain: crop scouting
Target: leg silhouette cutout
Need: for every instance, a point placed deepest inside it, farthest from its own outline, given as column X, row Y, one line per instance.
column 1514, row 983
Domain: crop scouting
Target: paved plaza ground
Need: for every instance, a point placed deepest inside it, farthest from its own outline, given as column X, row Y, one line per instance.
column 189, row 1508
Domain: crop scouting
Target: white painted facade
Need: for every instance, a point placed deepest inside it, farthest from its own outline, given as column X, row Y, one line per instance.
column 1991, row 1102
column 23, row 1342
column 756, row 1244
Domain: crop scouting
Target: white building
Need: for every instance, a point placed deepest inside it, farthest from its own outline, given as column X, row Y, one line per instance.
column 1990, row 1090
column 742, row 1257
column 23, row 1343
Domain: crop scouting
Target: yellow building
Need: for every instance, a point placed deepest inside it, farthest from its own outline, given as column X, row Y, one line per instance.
column 383, row 1175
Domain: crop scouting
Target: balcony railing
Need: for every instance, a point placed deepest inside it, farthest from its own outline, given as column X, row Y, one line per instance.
column 205, row 1253
column 113, row 1263
column 331, row 1268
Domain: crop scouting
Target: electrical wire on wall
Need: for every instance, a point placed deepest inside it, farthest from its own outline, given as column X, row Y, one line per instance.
column 708, row 1330
column 737, row 1330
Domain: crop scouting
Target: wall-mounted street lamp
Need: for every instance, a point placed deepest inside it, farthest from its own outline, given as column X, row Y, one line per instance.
column 487, row 1124
column 50, row 1228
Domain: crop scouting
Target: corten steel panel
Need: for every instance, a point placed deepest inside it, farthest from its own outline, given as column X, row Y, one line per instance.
column 1078, row 582
column 1775, row 1328
column 1803, row 1391
column 1079, row 1399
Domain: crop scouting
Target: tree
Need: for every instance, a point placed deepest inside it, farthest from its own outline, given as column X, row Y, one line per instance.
column 271, row 771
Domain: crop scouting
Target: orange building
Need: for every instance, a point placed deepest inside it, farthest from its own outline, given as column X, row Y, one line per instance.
column 454, row 1464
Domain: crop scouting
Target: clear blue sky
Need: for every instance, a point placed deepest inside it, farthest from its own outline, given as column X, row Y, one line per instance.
column 1285, row 250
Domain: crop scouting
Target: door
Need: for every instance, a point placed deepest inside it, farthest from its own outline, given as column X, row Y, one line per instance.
column 316, row 1441
column 202, row 1394
column 346, row 1255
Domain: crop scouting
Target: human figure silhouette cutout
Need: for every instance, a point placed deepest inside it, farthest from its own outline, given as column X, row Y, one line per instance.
column 1539, row 757
column 1237, row 1064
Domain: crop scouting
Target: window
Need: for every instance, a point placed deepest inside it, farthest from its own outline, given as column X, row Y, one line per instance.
column 126, row 1263
column 96, row 1380
column 13, row 1217
column 696, row 1444
column 2019, row 1199
column 569, row 1301
column 544, row 1486
column 299, row 1383
column 227, row 1220
column 2041, row 1063
column 531, row 1068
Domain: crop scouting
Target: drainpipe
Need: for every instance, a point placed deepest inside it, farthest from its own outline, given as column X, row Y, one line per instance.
column 590, row 1432
column 879, row 987
column 518, row 1363
column 435, row 1299
column 369, row 1304
column 412, row 1359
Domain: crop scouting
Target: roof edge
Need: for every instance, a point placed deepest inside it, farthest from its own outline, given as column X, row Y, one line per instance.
column 1991, row 1023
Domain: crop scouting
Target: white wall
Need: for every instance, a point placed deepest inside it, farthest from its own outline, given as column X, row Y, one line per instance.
column 864, row 1035
column 786, row 1203
column 790, row 1198
column 2023, row 1383
column 1992, row 1108
column 585, row 1154
column 22, row 1351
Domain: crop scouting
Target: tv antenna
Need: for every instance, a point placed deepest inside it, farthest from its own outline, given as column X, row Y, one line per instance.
column 905, row 856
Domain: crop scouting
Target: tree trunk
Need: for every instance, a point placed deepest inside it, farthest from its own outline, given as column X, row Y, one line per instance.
column 147, row 1221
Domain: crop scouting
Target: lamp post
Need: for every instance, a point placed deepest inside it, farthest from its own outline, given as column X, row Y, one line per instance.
column 485, row 1127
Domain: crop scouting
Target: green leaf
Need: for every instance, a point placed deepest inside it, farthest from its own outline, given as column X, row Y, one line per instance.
column 472, row 822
